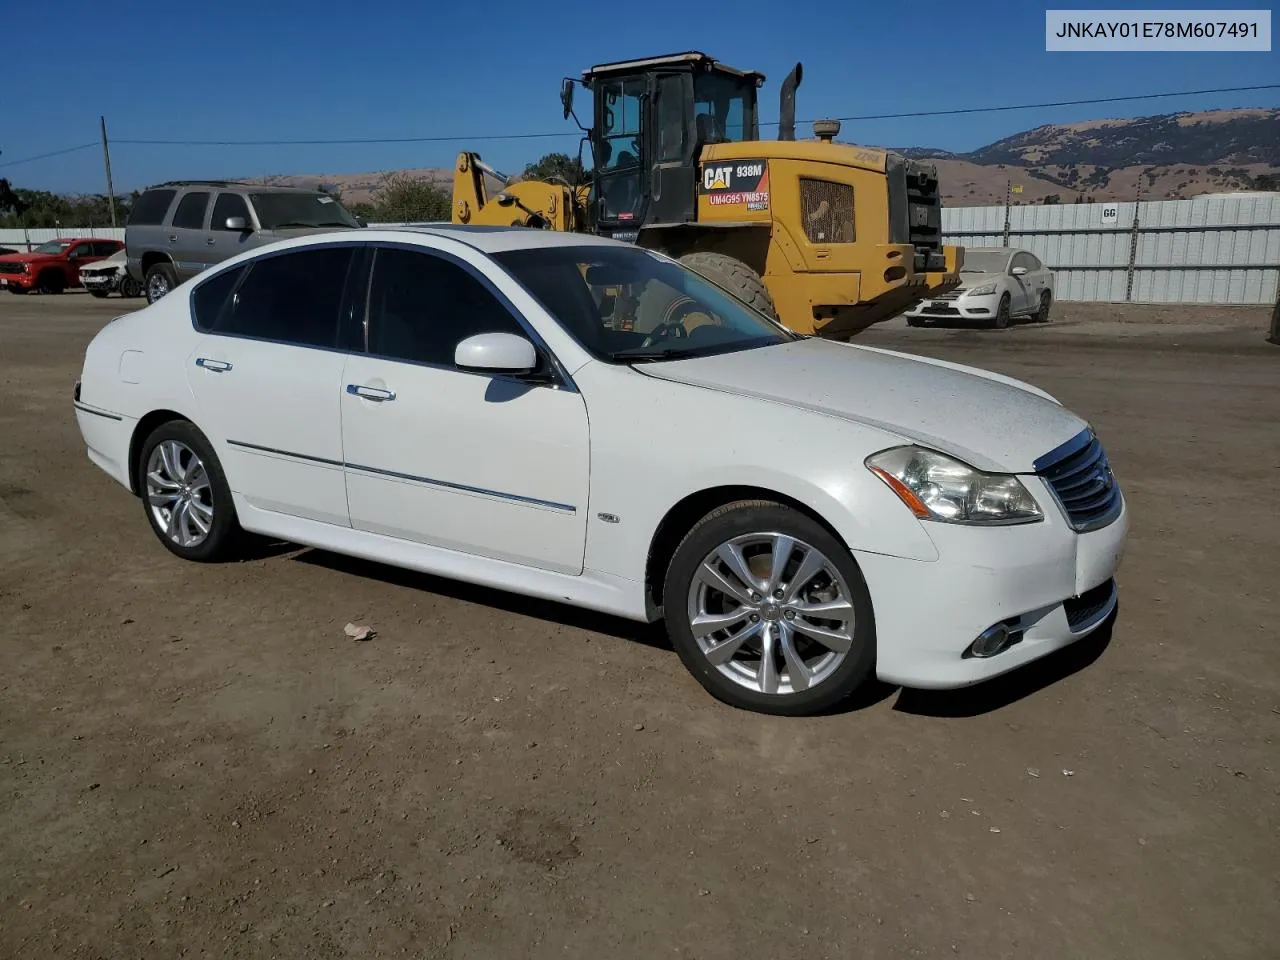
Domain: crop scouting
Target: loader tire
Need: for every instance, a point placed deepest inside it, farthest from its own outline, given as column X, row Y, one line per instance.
column 659, row 304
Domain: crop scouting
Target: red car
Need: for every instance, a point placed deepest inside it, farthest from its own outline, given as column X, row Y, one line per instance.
column 53, row 266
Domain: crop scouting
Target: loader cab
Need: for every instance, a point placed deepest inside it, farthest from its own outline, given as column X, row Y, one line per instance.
column 651, row 118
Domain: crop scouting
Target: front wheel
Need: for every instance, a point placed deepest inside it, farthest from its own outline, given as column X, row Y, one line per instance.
column 100, row 294
column 186, row 495
column 769, row 611
column 130, row 288
column 1002, row 313
column 51, row 282
column 1046, row 301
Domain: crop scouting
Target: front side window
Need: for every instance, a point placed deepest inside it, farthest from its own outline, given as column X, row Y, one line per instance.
column 290, row 298
column 82, row 251
column 226, row 206
column 277, row 211
column 190, row 212
column 626, row 304
column 422, row 306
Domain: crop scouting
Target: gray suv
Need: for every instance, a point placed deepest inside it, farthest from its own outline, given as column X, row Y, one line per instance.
column 178, row 229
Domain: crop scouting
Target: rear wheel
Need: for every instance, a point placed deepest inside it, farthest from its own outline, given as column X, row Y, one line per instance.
column 769, row 611
column 160, row 280
column 660, row 305
column 185, row 494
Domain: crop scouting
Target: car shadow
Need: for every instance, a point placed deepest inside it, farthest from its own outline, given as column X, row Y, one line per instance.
column 651, row 635
column 1004, row 690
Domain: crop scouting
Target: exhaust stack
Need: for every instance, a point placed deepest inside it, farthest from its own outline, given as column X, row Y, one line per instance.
column 787, row 108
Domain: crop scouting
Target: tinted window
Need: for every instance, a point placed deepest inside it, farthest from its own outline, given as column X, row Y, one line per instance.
column 81, row 250
column 190, row 212
column 228, row 205
column 150, row 208
column 422, row 306
column 292, row 297
column 105, row 248
column 210, row 295
column 277, row 210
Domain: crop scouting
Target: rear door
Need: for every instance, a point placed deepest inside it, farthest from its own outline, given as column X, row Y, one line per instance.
column 266, row 374
column 187, row 234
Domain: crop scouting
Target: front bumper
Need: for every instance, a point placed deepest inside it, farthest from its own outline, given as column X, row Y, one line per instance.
column 1051, row 585
column 961, row 308
column 23, row 281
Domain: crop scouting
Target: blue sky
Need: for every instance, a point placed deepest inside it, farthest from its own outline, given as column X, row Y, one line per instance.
column 281, row 69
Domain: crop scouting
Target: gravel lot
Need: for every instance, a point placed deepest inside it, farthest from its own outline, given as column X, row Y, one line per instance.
column 196, row 761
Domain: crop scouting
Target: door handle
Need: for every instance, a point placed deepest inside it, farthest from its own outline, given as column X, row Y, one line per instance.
column 173, row 238
column 370, row 393
column 211, row 241
column 217, row 366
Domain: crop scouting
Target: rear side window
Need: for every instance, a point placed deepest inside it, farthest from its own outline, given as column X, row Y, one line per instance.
column 105, row 248
column 150, row 208
column 290, row 298
column 190, row 212
column 228, row 205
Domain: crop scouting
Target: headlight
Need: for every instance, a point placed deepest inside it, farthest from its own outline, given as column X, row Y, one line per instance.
column 983, row 291
column 937, row 487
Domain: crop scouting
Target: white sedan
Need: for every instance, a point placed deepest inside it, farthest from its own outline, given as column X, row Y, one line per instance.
column 475, row 403
column 998, row 284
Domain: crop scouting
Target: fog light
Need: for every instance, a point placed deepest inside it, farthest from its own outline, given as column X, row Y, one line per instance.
column 993, row 640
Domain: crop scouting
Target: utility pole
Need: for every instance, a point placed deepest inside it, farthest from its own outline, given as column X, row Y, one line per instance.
column 106, row 162
column 1008, row 197
column 1133, row 243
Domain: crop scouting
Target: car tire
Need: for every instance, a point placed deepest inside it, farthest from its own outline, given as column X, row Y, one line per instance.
column 726, row 642
column 1046, row 301
column 185, row 494
column 18, row 291
column 914, row 322
column 130, row 288
column 159, row 281
column 51, row 282
column 1001, row 320
column 100, row 294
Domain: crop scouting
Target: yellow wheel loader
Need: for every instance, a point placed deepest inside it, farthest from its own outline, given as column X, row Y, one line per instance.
column 826, row 237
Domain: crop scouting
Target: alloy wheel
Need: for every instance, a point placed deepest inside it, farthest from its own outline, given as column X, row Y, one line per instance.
column 179, row 493
column 771, row 613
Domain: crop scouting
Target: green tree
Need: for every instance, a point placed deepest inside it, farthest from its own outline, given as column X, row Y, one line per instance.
column 401, row 198
column 556, row 165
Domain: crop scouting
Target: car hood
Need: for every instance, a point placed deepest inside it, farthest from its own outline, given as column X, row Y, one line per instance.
column 970, row 280
column 992, row 422
column 25, row 257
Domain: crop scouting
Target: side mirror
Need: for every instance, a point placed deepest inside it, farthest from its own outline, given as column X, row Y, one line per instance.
column 496, row 353
column 566, row 96
column 236, row 223
column 1019, row 271
column 362, row 221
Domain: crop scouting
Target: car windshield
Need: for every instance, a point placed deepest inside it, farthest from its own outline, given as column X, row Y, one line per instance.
column 626, row 304
column 276, row 210
column 984, row 261
column 52, row 246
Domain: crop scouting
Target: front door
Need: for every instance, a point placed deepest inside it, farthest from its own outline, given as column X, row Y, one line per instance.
column 220, row 242
column 266, row 375
column 187, row 235
column 487, row 465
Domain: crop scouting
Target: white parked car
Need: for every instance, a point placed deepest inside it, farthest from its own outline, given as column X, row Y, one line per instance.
column 103, row 277
column 471, row 402
column 997, row 284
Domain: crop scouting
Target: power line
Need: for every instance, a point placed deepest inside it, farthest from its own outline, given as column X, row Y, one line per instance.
column 771, row 123
column 563, row 134
column 46, row 156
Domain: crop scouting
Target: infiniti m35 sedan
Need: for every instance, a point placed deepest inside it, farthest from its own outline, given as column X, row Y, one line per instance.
column 584, row 420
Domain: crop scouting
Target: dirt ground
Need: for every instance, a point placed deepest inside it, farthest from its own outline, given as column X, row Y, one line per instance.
column 195, row 761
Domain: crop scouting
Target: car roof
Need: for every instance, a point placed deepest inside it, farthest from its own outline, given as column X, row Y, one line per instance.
column 1005, row 251
column 493, row 239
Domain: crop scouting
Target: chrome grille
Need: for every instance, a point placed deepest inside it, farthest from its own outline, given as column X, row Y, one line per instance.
column 1079, row 474
column 828, row 210
column 10, row 268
